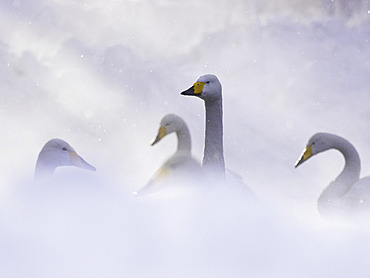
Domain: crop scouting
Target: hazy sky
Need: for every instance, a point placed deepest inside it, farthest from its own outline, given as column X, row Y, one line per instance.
column 102, row 75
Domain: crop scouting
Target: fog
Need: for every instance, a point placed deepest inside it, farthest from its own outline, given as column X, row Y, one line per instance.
column 102, row 75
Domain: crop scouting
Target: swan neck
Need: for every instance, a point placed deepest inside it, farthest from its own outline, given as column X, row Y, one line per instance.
column 183, row 140
column 352, row 163
column 349, row 175
column 43, row 170
column 213, row 157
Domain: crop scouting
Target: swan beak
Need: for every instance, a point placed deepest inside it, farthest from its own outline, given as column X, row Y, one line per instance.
column 162, row 132
column 78, row 161
column 195, row 90
column 189, row 92
column 307, row 153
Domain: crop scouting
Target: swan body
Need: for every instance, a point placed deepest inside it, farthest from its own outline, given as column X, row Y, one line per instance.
column 209, row 88
column 181, row 167
column 347, row 195
column 56, row 153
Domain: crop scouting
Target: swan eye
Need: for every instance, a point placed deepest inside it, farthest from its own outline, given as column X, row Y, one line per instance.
column 64, row 149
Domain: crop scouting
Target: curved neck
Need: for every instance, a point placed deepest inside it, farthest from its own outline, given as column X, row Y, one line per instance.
column 349, row 175
column 43, row 170
column 183, row 140
column 213, row 157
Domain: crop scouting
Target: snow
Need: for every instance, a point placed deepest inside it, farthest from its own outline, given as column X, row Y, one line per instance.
column 101, row 75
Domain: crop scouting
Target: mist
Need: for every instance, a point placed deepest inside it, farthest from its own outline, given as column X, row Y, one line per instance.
column 102, row 75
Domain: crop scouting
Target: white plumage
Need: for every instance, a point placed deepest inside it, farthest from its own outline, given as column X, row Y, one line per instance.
column 348, row 196
column 181, row 168
column 56, row 153
column 209, row 89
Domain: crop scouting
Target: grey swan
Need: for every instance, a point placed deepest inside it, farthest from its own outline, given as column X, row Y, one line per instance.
column 209, row 89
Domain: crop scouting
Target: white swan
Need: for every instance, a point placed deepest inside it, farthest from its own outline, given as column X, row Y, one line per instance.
column 180, row 167
column 347, row 196
column 56, row 153
column 209, row 88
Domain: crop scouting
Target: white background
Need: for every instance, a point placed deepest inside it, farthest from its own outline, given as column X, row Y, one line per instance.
column 102, row 74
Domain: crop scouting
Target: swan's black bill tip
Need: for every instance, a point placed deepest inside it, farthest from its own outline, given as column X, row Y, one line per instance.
column 299, row 162
column 188, row 92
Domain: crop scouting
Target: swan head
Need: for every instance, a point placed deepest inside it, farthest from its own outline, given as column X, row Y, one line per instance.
column 318, row 143
column 207, row 87
column 169, row 124
column 56, row 153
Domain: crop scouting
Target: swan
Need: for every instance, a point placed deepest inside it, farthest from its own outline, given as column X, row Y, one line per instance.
column 348, row 195
column 209, row 89
column 181, row 166
column 56, row 153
